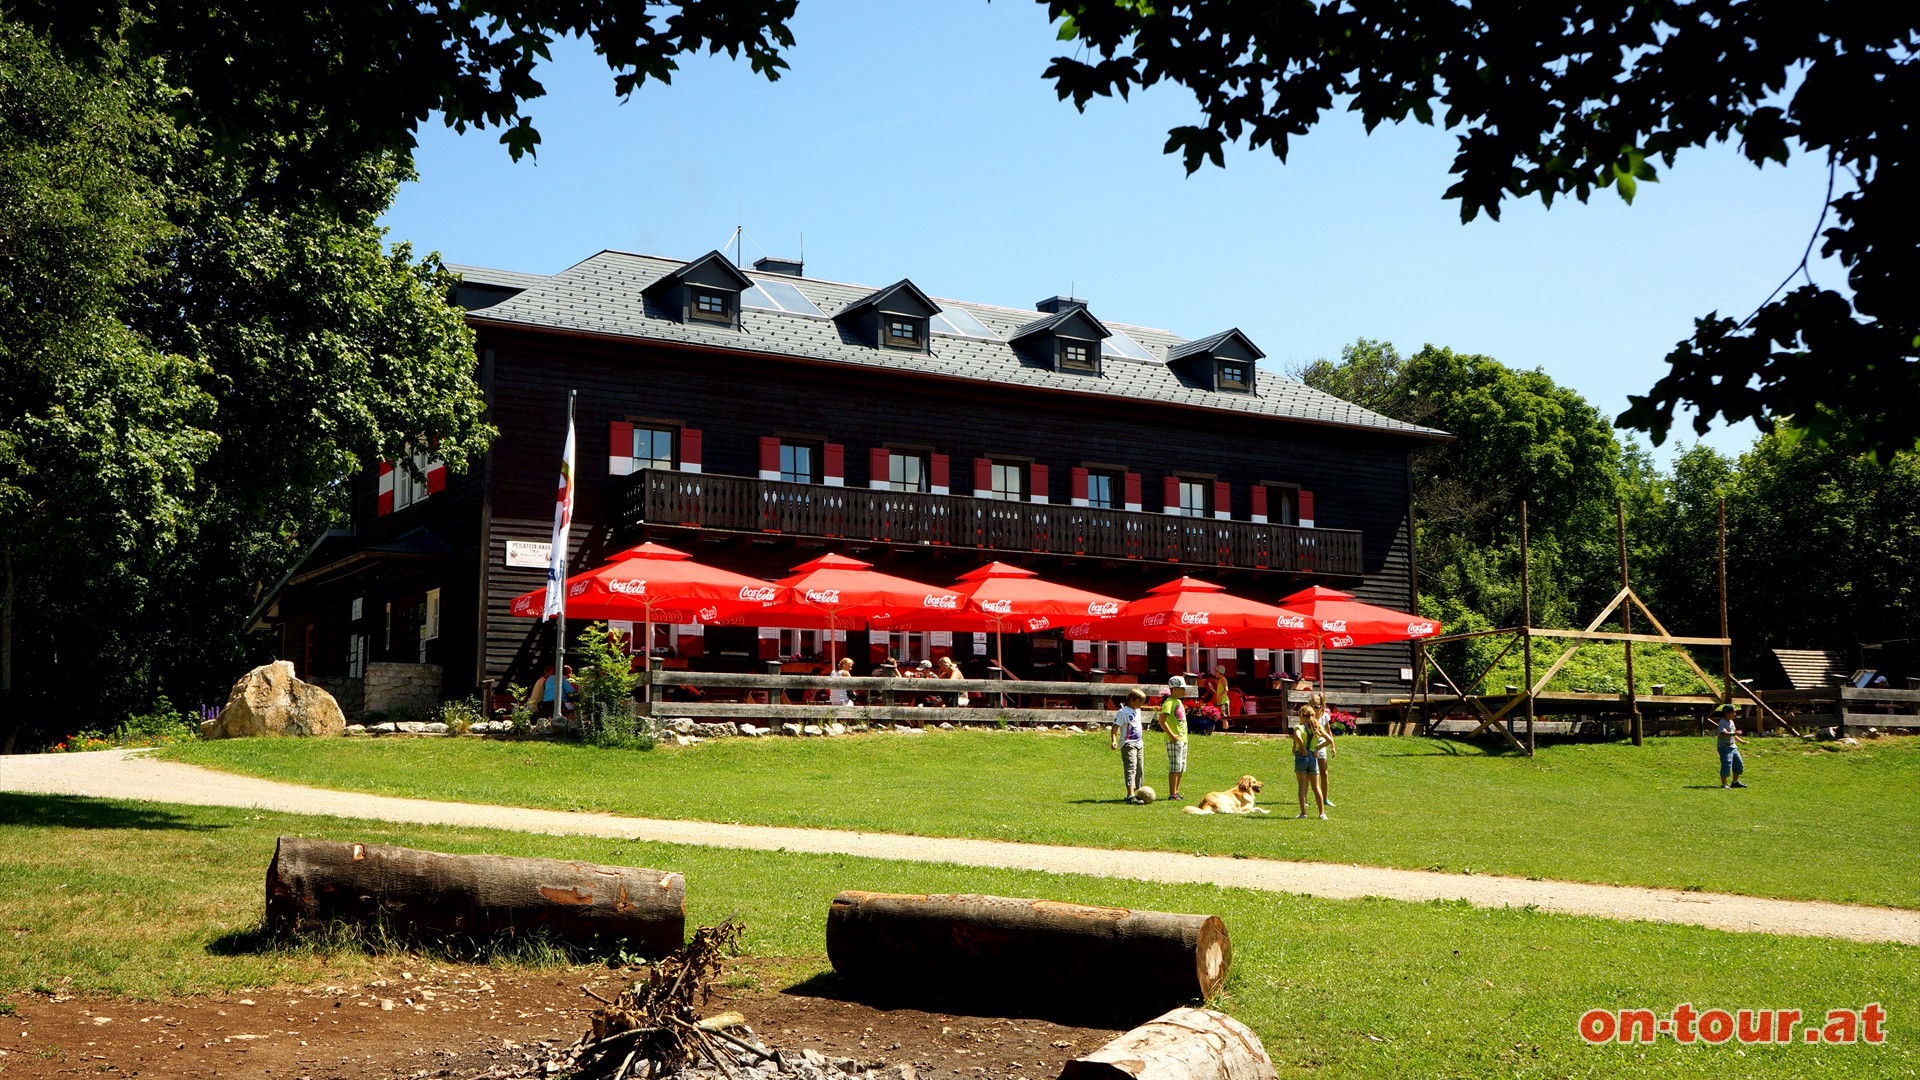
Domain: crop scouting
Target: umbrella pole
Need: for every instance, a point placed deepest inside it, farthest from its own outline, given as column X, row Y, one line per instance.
column 646, row 659
column 1000, row 659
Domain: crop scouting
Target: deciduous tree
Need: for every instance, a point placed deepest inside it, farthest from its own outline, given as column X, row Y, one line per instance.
column 1567, row 97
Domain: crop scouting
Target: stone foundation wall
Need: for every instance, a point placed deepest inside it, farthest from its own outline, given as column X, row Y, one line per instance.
column 387, row 685
column 349, row 692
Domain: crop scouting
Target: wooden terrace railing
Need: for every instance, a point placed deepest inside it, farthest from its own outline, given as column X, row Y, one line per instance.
column 743, row 504
column 888, row 700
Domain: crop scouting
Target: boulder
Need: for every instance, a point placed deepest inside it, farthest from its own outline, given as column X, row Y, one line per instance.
column 269, row 701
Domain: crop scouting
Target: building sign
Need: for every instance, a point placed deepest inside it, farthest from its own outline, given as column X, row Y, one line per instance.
column 528, row 553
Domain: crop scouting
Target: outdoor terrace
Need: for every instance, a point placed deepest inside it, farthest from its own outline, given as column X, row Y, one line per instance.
column 744, row 504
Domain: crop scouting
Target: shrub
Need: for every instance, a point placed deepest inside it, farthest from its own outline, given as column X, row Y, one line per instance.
column 406, row 712
column 460, row 716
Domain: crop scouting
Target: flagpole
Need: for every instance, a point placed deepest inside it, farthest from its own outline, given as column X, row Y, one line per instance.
column 557, row 571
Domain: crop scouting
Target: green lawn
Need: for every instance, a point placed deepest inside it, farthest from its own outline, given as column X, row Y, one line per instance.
column 1816, row 824
column 143, row 899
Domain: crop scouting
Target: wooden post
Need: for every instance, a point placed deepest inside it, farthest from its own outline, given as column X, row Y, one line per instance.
column 1185, row 1044
column 1526, row 623
column 313, row 882
column 1626, row 627
column 1726, row 648
column 988, row 950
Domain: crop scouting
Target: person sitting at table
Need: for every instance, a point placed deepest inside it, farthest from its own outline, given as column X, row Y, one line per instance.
column 949, row 670
column 843, row 670
column 541, row 696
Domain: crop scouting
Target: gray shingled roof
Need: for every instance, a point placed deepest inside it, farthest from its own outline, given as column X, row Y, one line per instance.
column 485, row 275
column 602, row 295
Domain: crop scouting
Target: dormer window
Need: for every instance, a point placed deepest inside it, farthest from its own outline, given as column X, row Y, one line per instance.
column 905, row 332
column 1067, row 339
column 1235, row 375
column 1224, row 362
column 706, row 290
column 893, row 318
column 710, row 305
column 1076, row 356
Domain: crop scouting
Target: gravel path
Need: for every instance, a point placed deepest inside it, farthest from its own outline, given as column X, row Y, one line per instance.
column 125, row 774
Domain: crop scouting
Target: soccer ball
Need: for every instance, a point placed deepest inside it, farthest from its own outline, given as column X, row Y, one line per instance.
column 1144, row 794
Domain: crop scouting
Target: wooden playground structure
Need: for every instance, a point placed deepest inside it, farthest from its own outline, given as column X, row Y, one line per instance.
column 1467, row 708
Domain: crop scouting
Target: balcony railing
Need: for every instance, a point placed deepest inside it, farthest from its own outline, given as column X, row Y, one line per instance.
column 742, row 504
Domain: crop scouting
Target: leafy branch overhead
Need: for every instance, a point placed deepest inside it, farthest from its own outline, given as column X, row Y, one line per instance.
column 1565, row 97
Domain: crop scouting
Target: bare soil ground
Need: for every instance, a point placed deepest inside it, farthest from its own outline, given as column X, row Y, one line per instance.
column 418, row 1020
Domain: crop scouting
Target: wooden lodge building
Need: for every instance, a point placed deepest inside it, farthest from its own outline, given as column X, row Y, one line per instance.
column 759, row 418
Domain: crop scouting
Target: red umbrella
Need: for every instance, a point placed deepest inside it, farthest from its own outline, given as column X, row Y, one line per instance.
column 1341, row 622
column 1000, row 597
column 1187, row 610
column 657, row 584
column 848, row 591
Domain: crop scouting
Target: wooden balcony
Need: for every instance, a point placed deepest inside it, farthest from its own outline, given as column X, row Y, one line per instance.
column 741, row 504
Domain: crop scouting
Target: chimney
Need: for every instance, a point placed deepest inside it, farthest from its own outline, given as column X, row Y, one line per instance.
column 768, row 264
column 1054, row 305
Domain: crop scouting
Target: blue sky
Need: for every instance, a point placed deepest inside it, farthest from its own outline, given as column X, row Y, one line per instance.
column 919, row 141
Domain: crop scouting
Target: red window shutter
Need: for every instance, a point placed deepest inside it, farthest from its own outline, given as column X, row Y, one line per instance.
column 770, row 455
column 1077, row 486
column 619, row 448
column 877, row 649
column 1222, row 497
column 1170, row 494
column 384, row 505
column 879, row 462
column 1257, row 501
column 1306, row 505
column 937, row 465
column 690, row 449
column 1133, row 489
column 1136, row 663
column 769, row 648
column 833, row 461
column 1037, row 482
column 1261, row 666
column 436, row 478
column 693, row 645
column 982, row 474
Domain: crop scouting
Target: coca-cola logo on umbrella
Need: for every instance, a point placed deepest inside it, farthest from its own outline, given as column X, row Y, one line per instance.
column 708, row 614
column 1098, row 608
column 1194, row 618
column 1334, row 626
column 997, row 607
column 1419, row 629
column 627, row 588
column 1158, row 618
column 1340, row 642
column 823, row 596
column 1039, row 623
column 576, row 588
column 765, row 594
column 942, row 601
column 1291, row 622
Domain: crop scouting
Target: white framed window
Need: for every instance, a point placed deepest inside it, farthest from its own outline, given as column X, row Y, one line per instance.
column 407, row 488
column 909, row 648
column 1010, row 481
column 1104, row 490
column 907, row 471
column 1193, row 499
column 652, row 447
column 356, row 656
column 429, row 622
column 799, row 463
column 1107, row 655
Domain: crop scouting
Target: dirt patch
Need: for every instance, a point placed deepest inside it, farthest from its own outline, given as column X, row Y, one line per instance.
column 420, row 1021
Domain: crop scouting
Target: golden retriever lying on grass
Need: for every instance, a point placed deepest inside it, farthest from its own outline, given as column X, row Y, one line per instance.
column 1237, row 800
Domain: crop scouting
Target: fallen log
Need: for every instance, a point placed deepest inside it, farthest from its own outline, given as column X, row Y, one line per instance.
column 314, row 882
column 1185, row 1044
column 995, row 950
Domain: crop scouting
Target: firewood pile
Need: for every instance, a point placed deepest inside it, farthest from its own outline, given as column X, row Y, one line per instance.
column 653, row 1030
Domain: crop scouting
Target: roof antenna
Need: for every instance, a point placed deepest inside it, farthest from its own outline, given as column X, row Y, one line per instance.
column 739, row 231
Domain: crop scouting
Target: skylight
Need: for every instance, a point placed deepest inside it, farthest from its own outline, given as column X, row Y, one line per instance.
column 779, row 296
column 958, row 322
column 1120, row 345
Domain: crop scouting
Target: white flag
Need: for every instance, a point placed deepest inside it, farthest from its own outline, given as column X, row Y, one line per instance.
column 562, row 525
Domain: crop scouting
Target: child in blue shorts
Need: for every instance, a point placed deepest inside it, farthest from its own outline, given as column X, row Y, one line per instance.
column 1731, row 763
column 1307, row 739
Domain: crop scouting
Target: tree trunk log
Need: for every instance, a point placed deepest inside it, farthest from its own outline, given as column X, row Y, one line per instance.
column 1185, row 1044
column 992, row 949
column 313, row 882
